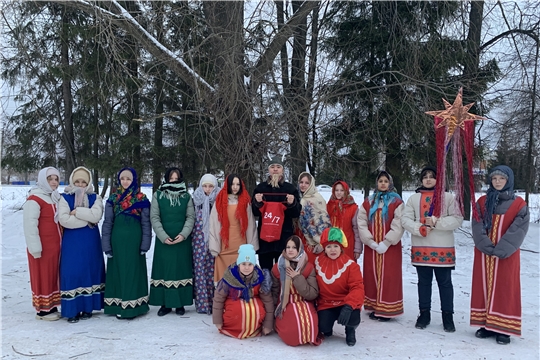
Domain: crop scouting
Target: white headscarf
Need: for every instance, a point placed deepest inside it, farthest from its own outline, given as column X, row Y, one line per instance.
column 200, row 199
column 81, row 198
column 43, row 184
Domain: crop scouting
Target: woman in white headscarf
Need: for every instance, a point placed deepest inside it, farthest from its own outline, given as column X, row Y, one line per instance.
column 203, row 262
column 82, row 269
column 43, row 234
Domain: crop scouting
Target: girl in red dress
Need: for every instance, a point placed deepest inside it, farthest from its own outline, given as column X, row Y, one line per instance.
column 294, row 288
column 43, row 235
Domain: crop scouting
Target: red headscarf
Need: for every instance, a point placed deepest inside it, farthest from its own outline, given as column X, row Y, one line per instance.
column 222, row 201
column 336, row 207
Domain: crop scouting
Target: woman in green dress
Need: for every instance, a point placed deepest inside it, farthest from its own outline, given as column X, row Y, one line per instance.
column 172, row 216
column 126, row 237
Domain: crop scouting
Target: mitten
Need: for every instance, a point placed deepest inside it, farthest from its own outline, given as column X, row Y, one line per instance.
column 374, row 245
column 381, row 249
column 109, row 254
column 345, row 315
column 423, row 230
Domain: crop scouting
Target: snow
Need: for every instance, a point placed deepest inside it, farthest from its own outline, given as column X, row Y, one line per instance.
column 193, row 336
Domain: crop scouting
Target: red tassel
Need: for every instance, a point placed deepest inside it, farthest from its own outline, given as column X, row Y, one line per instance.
column 469, row 150
column 440, row 137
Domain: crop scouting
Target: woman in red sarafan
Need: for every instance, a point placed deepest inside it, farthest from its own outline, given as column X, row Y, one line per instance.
column 341, row 287
column 243, row 306
column 294, row 289
column 43, row 235
column 496, row 288
column 379, row 223
column 343, row 214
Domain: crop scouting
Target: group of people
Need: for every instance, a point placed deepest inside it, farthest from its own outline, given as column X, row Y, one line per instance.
column 207, row 245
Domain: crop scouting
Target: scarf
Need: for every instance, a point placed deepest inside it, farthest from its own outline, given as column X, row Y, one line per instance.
column 43, row 184
column 385, row 196
column 173, row 191
column 336, row 206
column 493, row 195
column 286, row 282
column 240, row 284
column 128, row 201
column 205, row 203
column 222, row 201
column 81, row 194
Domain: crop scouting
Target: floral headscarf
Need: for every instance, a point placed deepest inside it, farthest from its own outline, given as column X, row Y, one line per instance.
column 128, row 201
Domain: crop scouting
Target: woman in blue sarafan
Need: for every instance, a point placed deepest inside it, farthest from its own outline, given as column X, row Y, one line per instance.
column 82, row 269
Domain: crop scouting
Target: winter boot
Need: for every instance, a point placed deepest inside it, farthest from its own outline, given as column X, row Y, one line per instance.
column 448, row 321
column 503, row 339
column 423, row 320
column 483, row 333
column 350, row 335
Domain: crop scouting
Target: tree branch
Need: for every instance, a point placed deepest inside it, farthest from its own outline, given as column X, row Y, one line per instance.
column 265, row 61
column 529, row 33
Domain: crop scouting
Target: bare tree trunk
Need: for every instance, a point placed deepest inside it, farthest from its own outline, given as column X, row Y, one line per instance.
column 297, row 110
column 470, row 73
column 69, row 137
column 157, row 164
column 530, row 164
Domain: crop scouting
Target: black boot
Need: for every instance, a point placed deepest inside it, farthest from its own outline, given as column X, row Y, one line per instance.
column 483, row 333
column 350, row 335
column 448, row 321
column 423, row 320
column 503, row 339
column 164, row 311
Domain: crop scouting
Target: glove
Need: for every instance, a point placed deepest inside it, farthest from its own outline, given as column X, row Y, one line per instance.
column 381, row 249
column 109, row 254
column 374, row 245
column 423, row 230
column 345, row 315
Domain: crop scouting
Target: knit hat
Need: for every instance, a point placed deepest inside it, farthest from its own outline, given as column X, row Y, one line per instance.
column 426, row 169
column 52, row 171
column 208, row 179
column 125, row 173
column 276, row 160
column 497, row 171
column 80, row 173
column 333, row 235
column 246, row 253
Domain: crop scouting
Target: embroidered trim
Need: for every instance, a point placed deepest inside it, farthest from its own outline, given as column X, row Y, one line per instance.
column 125, row 304
column 82, row 291
column 335, row 276
column 171, row 283
column 433, row 255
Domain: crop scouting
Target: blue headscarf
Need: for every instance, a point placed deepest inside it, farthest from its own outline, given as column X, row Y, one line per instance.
column 493, row 194
column 386, row 196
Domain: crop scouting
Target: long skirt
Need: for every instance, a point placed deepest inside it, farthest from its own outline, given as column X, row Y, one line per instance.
column 82, row 271
column 243, row 319
column 126, row 286
column 299, row 323
column 203, row 271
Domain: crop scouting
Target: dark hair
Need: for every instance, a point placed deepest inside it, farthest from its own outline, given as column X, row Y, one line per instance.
column 426, row 170
column 296, row 240
column 172, row 170
column 230, row 179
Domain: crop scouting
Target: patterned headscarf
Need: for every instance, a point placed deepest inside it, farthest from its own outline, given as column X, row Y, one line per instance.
column 493, row 194
column 386, row 196
column 173, row 190
column 205, row 202
column 286, row 282
column 240, row 285
column 128, row 201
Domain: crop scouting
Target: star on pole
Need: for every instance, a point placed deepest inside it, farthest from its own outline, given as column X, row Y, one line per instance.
column 454, row 115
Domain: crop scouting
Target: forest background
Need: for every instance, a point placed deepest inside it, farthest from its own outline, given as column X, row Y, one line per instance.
column 215, row 86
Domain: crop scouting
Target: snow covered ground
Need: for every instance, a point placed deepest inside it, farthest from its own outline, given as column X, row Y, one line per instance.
column 193, row 336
